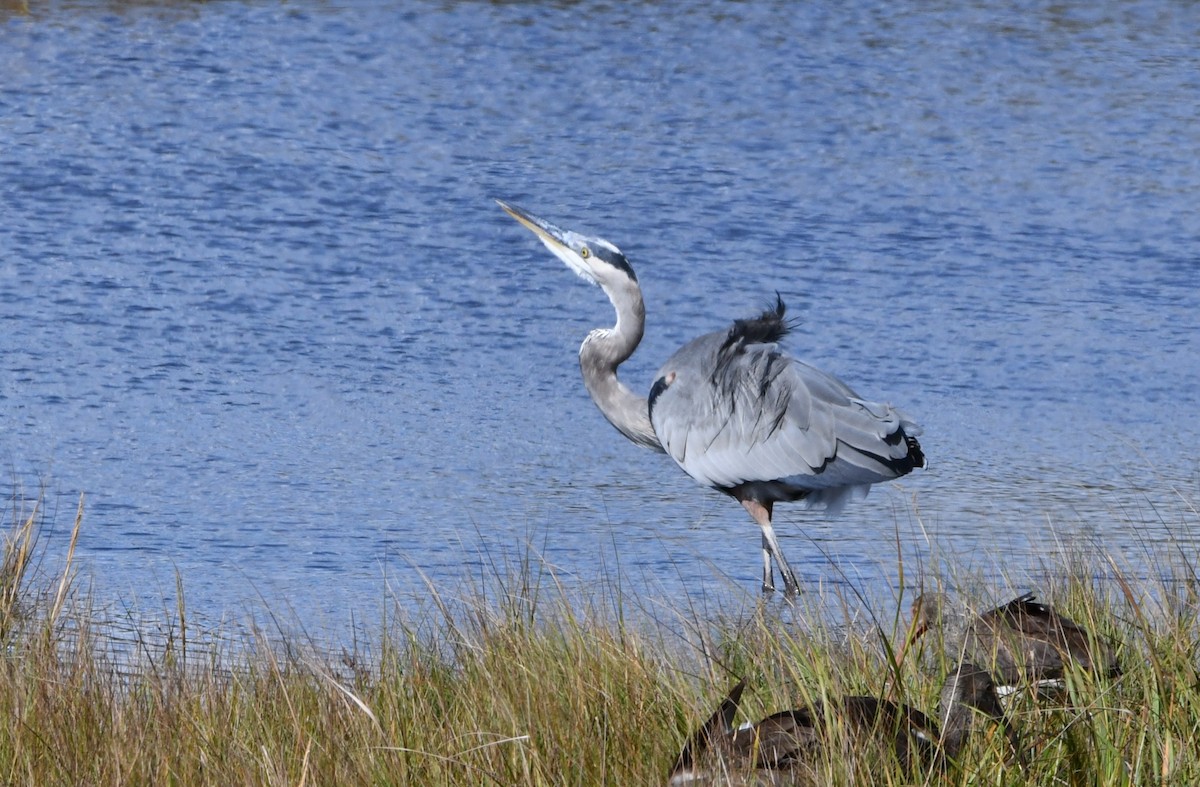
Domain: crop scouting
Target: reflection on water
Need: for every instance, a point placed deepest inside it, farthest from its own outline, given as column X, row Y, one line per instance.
column 260, row 307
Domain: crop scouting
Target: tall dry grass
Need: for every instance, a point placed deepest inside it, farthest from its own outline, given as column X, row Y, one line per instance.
column 538, row 686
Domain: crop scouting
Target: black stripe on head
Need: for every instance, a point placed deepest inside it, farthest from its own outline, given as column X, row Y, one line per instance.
column 615, row 259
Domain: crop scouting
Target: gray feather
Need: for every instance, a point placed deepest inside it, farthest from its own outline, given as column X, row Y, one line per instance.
column 758, row 416
column 732, row 410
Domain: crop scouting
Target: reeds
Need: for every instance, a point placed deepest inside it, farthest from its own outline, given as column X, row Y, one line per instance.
column 539, row 685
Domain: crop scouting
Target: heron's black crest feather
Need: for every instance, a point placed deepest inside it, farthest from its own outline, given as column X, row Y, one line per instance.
column 767, row 328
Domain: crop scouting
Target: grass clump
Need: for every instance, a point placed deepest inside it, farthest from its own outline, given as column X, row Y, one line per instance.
column 535, row 686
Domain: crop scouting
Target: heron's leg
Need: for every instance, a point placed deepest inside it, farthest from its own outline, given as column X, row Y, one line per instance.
column 790, row 586
column 761, row 512
column 768, row 584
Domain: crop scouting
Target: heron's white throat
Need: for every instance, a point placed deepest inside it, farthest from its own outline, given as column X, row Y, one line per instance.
column 570, row 259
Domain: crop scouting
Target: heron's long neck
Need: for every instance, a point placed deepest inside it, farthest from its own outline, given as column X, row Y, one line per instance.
column 603, row 351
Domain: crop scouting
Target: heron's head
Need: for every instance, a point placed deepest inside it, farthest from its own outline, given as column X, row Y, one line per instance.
column 594, row 259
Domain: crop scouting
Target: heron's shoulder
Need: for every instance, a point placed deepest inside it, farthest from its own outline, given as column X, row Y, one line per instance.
column 752, row 336
column 767, row 328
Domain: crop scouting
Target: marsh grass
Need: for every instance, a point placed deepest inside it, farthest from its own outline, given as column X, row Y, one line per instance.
column 538, row 685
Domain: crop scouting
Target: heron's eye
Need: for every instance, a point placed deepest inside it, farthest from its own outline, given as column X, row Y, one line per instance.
column 585, row 252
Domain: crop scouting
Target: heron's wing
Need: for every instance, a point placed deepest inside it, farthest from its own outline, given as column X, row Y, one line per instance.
column 740, row 412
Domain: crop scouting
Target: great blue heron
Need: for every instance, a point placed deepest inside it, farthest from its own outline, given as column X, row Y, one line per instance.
column 781, row 748
column 730, row 408
column 1024, row 641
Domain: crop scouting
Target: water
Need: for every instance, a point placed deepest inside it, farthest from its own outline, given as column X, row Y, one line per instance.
column 258, row 306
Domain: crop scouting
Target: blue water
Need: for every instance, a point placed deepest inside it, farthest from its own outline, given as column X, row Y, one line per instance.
column 258, row 306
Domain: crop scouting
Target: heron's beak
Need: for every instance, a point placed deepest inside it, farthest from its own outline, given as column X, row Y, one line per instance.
column 549, row 234
column 563, row 244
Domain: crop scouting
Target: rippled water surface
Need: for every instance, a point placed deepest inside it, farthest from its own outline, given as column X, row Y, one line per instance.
column 257, row 303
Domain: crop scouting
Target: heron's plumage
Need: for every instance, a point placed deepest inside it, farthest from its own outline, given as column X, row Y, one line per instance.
column 739, row 411
column 733, row 410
